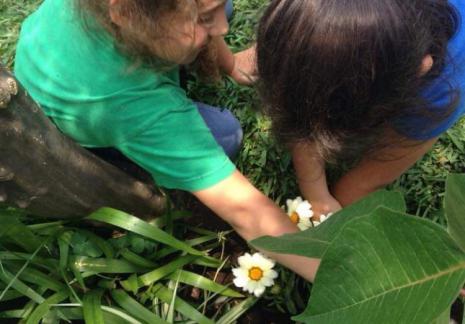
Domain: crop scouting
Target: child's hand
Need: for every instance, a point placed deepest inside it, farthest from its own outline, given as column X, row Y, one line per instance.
column 245, row 67
column 324, row 206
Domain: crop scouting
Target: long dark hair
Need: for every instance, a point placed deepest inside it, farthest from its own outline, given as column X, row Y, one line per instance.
column 338, row 73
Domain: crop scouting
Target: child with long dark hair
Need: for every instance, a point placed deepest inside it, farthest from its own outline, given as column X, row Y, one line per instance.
column 373, row 81
column 107, row 73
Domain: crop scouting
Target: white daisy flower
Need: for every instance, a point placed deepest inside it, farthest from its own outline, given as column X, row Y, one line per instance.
column 254, row 274
column 320, row 220
column 300, row 212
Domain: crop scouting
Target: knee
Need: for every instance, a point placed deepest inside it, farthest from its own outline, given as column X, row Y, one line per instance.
column 233, row 134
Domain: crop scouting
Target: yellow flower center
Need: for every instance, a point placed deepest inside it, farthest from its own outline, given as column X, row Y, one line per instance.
column 295, row 218
column 255, row 273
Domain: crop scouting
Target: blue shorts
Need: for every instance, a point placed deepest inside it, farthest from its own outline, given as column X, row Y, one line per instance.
column 224, row 126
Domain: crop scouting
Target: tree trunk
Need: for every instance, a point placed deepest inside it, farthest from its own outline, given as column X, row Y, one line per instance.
column 48, row 174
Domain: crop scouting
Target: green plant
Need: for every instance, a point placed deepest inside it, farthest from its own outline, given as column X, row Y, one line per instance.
column 137, row 273
column 381, row 265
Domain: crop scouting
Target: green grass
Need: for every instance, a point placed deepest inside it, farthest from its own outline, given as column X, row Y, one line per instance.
column 12, row 13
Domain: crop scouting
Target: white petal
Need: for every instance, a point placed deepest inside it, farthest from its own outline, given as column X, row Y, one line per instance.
column 264, row 263
column 240, row 282
column 245, row 261
column 259, row 291
column 267, row 282
column 240, row 273
column 302, row 226
column 256, row 258
column 251, row 286
column 315, row 223
column 271, row 274
column 289, row 204
column 293, row 204
column 305, row 209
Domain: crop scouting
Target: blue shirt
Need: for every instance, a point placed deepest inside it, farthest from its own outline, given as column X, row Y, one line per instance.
column 438, row 93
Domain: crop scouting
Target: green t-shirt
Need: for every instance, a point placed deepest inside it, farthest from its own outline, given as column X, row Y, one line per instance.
column 98, row 97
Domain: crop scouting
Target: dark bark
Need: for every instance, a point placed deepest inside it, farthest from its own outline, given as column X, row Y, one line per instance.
column 48, row 174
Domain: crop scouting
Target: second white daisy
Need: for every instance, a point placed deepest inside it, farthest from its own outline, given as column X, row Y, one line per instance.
column 300, row 212
column 254, row 274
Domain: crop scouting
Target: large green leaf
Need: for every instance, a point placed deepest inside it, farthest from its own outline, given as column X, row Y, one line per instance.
column 315, row 241
column 455, row 207
column 387, row 268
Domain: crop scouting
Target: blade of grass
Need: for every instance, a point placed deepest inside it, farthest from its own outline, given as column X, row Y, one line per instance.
column 70, row 313
column 10, row 295
column 208, row 262
column 120, row 314
column 100, row 265
column 14, row 313
column 37, row 277
column 194, row 242
column 13, row 281
column 170, row 313
column 136, row 259
column 19, row 286
column 237, row 311
column 63, row 245
column 134, row 308
column 155, row 275
column 18, row 233
column 193, row 279
column 49, row 264
column 91, row 305
column 42, row 310
column 42, row 226
column 165, row 294
column 138, row 226
column 175, row 215
column 31, row 305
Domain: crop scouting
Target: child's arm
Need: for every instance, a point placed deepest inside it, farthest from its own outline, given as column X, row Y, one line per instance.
column 240, row 66
column 253, row 215
column 372, row 174
column 311, row 176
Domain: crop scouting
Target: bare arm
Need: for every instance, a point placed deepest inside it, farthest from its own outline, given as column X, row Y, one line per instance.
column 372, row 174
column 311, row 176
column 225, row 55
column 240, row 66
column 252, row 215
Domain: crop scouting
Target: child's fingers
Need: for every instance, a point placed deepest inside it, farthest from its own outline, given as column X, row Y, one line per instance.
column 462, row 293
column 248, row 77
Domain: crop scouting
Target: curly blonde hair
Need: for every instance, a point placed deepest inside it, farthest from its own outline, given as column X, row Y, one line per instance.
column 146, row 32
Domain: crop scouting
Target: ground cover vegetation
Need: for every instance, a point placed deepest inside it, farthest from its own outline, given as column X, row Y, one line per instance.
column 52, row 271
